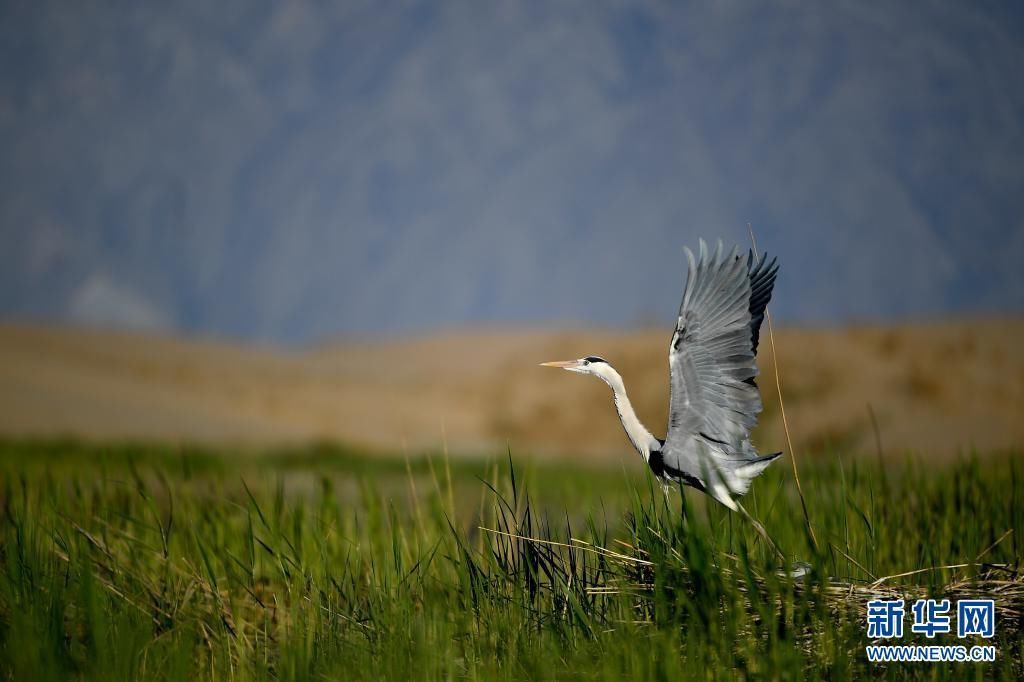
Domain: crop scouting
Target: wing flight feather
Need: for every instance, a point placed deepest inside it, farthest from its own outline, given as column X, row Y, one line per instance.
column 711, row 357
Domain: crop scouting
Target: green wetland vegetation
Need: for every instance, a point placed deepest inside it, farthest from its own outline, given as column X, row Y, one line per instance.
column 135, row 563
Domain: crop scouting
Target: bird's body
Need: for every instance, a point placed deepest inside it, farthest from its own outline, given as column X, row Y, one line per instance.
column 715, row 400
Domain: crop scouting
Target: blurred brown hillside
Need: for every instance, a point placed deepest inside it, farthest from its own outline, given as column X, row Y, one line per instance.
column 934, row 388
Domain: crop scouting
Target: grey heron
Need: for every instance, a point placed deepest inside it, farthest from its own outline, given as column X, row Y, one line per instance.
column 714, row 399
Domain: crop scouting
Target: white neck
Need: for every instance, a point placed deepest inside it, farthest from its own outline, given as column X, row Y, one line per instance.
column 641, row 438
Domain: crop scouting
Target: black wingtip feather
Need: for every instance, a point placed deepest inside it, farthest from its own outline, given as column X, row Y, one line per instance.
column 762, row 281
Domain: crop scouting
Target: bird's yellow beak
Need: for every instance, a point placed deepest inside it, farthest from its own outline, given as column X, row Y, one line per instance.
column 562, row 364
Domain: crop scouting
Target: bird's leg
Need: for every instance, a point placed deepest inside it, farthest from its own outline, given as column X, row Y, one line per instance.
column 760, row 530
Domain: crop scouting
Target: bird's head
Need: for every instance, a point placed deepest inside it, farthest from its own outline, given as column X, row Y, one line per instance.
column 588, row 365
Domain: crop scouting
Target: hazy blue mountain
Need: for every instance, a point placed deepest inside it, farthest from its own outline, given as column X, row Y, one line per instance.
column 301, row 169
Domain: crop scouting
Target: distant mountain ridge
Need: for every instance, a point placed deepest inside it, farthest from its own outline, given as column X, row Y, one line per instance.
column 291, row 171
column 936, row 390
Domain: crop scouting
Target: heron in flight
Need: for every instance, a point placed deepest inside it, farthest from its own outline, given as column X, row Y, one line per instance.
column 714, row 399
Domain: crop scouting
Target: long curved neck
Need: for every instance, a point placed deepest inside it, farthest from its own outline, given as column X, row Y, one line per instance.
column 641, row 438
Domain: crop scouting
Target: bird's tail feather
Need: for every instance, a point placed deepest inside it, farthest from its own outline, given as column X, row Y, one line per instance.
column 754, row 468
column 743, row 475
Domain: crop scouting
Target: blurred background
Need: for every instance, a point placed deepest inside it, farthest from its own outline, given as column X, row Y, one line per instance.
column 367, row 222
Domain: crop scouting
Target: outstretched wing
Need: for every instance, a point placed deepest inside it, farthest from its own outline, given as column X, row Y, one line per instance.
column 711, row 357
column 762, row 280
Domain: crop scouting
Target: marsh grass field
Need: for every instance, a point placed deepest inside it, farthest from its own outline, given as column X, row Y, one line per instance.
column 139, row 562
